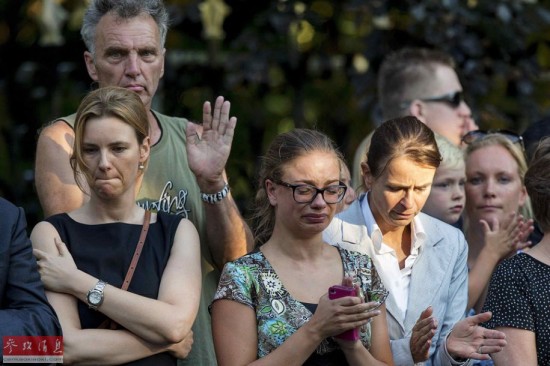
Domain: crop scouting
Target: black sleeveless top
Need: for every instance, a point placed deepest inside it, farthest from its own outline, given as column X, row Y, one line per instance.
column 105, row 252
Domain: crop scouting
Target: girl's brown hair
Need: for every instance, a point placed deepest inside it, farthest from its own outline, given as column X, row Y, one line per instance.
column 283, row 149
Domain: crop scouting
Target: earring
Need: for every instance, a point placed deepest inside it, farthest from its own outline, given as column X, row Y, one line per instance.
column 141, row 166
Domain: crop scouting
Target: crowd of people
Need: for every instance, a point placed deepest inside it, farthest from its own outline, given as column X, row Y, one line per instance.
column 143, row 258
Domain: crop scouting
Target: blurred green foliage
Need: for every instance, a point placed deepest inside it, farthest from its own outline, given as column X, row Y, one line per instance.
column 282, row 64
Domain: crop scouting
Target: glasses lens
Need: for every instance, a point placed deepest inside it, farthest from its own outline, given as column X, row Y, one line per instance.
column 304, row 193
column 331, row 194
column 512, row 136
column 334, row 194
column 455, row 99
column 452, row 99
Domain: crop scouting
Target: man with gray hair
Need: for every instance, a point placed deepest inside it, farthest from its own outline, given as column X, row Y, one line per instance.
column 186, row 172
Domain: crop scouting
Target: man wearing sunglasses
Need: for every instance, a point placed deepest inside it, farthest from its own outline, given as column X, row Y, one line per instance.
column 422, row 83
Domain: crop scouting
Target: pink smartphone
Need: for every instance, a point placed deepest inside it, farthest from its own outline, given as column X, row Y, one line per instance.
column 336, row 292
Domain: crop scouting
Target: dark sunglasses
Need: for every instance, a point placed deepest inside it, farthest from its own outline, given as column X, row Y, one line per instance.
column 452, row 99
column 479, row 134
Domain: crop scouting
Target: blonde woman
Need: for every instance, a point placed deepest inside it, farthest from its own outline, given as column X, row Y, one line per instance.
column 498, row 212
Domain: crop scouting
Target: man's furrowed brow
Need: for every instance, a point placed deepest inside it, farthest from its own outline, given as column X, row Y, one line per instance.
column 115, row 50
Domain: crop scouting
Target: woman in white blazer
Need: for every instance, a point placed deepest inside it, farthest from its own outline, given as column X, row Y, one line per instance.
column 421, row 260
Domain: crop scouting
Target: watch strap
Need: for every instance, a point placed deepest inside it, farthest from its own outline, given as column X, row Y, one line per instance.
column 99, row 287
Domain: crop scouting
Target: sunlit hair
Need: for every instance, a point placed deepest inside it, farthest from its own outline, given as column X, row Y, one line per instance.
column 517, row 154
column 111, row 101
column 406, row 75
column 537, row 182
column 285, row 148
column 124, row 9
column 402, row 137
column 452, row 155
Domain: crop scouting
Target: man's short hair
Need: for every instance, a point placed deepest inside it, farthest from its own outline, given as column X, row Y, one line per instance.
column 124, row 9
column 406, row 75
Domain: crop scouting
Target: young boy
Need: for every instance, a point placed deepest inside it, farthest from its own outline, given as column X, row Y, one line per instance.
column 446, row 200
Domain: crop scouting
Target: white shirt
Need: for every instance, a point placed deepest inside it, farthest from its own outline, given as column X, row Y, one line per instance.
column 397, row 281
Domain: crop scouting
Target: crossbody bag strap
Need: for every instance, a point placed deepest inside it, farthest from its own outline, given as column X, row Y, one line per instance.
column 137, row 252
column 108, row 323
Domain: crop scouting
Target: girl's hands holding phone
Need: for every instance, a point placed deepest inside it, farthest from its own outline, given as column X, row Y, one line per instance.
column 336, row 316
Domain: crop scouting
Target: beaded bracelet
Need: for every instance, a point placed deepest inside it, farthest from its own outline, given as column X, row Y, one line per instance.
column 215, row 197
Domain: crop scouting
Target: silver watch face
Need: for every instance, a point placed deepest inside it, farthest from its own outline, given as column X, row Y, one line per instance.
column 95, row 297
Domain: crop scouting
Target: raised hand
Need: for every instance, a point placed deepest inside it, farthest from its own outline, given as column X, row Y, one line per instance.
column 209, row 145
column 526, row 227
column 470, row 340
column 55, row 270
column 504, row 239
column 422, row 334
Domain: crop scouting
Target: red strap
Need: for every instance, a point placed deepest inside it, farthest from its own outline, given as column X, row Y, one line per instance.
column 137, row 253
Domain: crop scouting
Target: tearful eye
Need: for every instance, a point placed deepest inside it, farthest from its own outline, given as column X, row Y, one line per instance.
column 304, row 190
column 333, row 190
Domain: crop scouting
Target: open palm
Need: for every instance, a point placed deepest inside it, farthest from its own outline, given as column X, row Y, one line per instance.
column 209, row 145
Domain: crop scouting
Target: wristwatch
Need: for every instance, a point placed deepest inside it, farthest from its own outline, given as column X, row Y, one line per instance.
column 95, row 295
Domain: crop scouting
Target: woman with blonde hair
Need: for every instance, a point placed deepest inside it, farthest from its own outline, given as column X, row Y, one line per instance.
column 497, row 219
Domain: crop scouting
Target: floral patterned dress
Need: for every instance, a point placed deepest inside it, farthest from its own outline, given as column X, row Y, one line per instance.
column 250, row 280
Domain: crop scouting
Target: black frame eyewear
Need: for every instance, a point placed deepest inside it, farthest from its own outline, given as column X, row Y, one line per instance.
column 340, row 184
